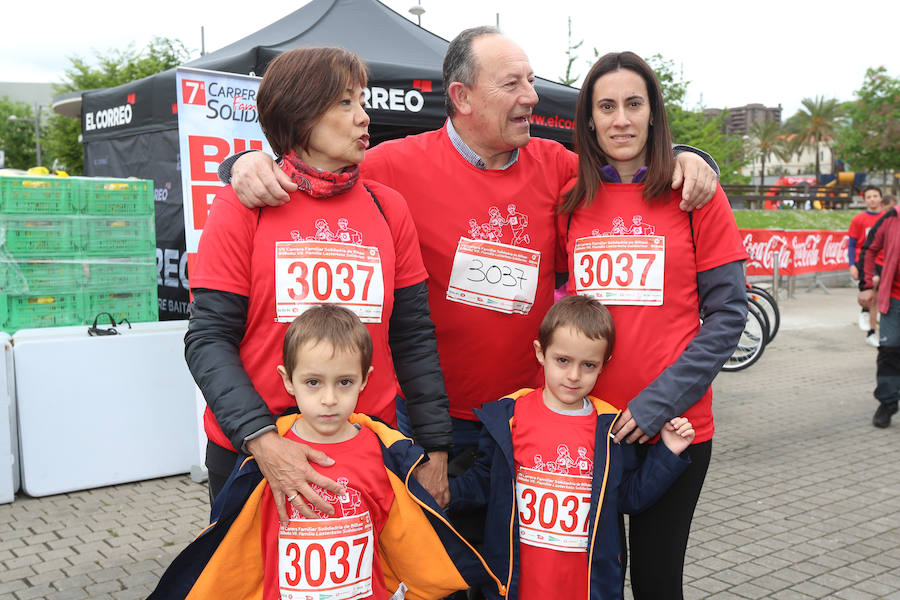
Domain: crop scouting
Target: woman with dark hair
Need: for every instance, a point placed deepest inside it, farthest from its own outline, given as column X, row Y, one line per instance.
column 340, row 240
column 659, row 270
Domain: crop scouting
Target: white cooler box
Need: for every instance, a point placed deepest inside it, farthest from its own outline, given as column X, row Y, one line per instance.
column 9, row 443
column 96, row 411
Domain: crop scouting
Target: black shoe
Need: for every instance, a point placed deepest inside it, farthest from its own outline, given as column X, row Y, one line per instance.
column 883, row 415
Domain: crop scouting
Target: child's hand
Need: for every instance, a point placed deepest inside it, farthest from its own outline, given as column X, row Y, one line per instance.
column 677, row 435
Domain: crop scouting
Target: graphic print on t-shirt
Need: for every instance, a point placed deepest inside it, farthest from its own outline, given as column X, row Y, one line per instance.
column 507, row 229
column 345, row 505
column 323, row 233
column 564, row 462
column 637, row 227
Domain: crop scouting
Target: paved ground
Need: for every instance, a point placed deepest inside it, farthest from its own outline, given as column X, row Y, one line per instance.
column 801, row 501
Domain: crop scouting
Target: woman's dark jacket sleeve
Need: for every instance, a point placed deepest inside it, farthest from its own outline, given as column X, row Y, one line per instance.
column 212, row 350
column 418, row 368
column 723, row 303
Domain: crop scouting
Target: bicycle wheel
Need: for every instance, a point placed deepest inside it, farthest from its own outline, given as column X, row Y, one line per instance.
column 753, row 339
column 770, row 305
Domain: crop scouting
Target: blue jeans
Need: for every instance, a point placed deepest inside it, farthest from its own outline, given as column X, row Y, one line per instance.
column 887, row 375
column 465, row 432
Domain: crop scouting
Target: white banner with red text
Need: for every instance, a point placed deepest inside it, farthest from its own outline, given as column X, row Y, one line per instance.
column 799, row 252
column 217, row 116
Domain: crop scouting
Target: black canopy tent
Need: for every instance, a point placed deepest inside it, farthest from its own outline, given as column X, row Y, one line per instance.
column 132, row 129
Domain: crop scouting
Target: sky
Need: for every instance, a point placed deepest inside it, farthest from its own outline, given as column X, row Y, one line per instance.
column 764, row 51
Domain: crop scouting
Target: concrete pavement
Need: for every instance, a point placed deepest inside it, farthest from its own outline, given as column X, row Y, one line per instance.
column 801, row 500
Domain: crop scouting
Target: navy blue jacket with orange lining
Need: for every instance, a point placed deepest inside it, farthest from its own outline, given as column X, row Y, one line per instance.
column 621, row 484
column 417, row 546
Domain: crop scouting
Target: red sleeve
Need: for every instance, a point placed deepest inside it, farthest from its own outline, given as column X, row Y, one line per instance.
column 376, row 164
column 857, row 231
column 409, row 268
column 568, row 167
column 716, row 234
column 224, row 252
column 561, row 264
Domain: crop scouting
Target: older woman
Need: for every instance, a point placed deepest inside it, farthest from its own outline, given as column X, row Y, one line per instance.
column 658, row 269
column 340, row 240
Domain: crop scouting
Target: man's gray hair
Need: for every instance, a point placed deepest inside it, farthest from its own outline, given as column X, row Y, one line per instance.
column 459, row 62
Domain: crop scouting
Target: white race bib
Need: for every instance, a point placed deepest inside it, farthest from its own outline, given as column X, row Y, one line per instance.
column 309, row 273
column 326, row 559
column 621, row 269
column 553, row 509
column 494, row 276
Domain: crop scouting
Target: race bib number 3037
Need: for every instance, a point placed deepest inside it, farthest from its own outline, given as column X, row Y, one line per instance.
column 308, row 273
column 553, row 509
column 494, row 276
column 326, row 559
column 621, row 269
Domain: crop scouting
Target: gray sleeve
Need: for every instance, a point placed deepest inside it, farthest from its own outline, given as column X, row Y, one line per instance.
column 676, row 150
column 225, row 166
column 723, row 302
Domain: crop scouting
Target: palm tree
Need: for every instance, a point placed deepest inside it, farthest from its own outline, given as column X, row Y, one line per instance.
column 817, row 121
column 768, row 139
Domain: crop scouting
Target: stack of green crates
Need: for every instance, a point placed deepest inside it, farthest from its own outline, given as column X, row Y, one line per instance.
column 74, row 247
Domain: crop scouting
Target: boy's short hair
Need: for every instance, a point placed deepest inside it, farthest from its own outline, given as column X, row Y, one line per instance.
column 584, row 314
column 330, row 323
column 869, row 188
column 888, row 200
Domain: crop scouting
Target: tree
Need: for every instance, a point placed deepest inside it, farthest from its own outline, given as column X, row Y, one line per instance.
column 112, row 68
column 816, row 122
column 17, row 137
column 871, row 138
column 694, row 128
column 571, row 57
column 767, row 140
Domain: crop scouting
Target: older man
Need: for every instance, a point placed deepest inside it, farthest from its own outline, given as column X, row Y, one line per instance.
column 486, row 300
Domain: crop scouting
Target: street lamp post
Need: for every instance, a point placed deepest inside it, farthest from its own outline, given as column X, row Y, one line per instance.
column 37, row 129
column 418, row 11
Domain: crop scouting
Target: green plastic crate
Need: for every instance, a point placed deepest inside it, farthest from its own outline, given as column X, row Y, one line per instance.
column 137, row 306
column 42, row 237
column 122, row 275
column 40, row 277
column 118, row 197
column 23, row 311
column 33, row 195
column 120, row 237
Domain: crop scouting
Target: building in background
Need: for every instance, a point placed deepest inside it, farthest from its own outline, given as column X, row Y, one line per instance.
column 740, row 119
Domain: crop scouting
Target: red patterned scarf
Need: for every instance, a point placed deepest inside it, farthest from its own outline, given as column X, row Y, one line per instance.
column 316, row 183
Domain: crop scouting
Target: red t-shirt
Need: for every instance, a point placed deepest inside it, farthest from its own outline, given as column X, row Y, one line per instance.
column 484, row 353
column 553, row 456
column 859, row 230
column 295, row 560
column 654, row 261
column 237, row 254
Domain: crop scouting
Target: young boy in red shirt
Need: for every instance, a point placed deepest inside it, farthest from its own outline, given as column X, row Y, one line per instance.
column 858, row 231
column 386, row 535
column 553, row 480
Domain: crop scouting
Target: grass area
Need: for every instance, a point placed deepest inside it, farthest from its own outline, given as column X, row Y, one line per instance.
column 835, row 220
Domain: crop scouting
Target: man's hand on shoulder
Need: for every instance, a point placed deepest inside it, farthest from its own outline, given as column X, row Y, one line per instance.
column 696, row 180
column 258, row 181
column 285, row 465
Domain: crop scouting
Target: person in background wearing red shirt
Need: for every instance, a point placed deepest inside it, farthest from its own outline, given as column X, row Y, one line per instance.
column 384, row 533
column 553, row 526
column 486, row 300
column 658, row 282
column 859, row 229
column 884, row 239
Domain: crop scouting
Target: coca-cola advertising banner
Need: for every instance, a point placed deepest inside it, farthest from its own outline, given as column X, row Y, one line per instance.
column 799, row 252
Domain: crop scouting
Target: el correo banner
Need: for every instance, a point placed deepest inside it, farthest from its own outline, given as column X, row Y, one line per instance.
column 217, row 117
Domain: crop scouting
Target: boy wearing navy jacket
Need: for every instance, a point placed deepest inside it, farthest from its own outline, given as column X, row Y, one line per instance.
column 553, row 480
